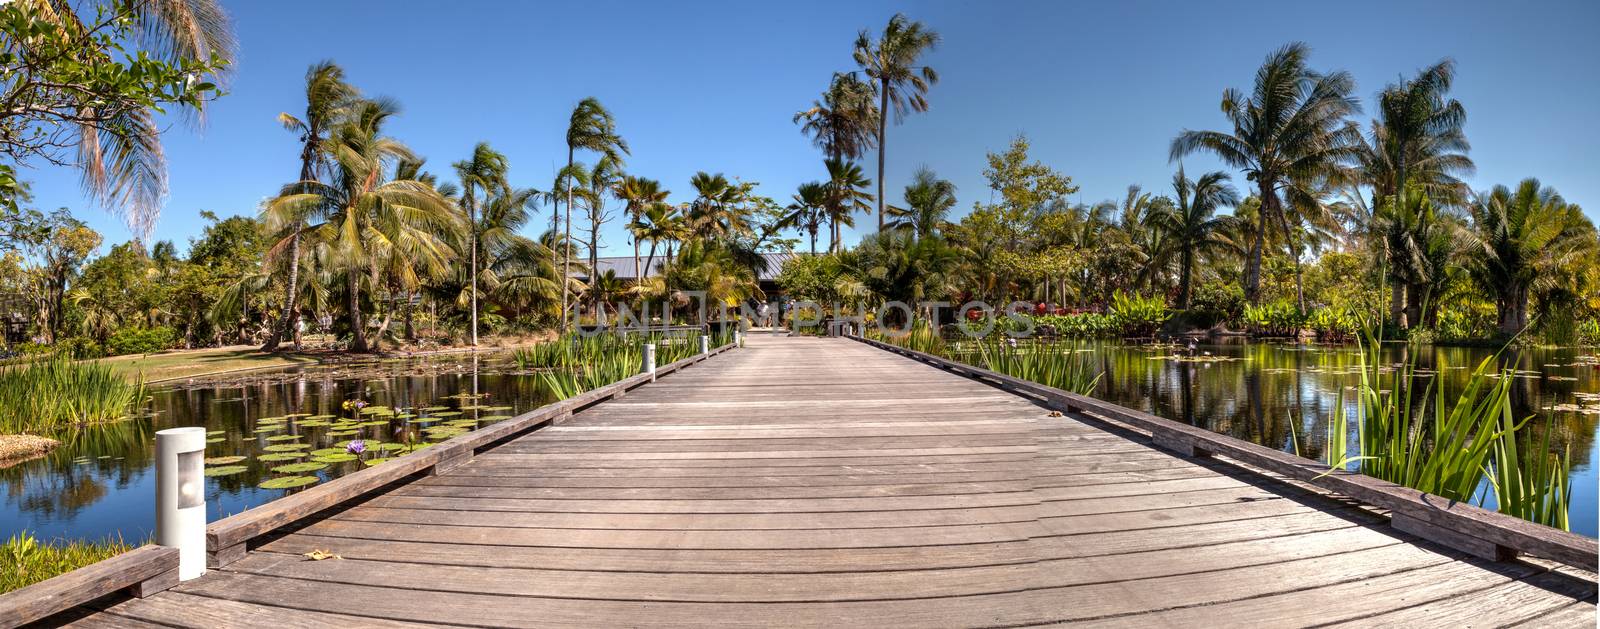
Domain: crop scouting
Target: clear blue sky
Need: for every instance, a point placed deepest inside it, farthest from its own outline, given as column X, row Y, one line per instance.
column 1099, row 88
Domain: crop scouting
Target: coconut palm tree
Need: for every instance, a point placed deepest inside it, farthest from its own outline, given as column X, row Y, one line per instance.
column 640, row 195
column 592, row 128
column 485, row 173
column 844, row 123
column 118, row 152
column 928, row 200
column 361, row 215
column 327, row 99
column 1291, row 128
column 1191, row 223
column 805, row 213
column 892, row 62
column 659, row 223
column 1418, row 136
column 1517, row 238
column 846, row 195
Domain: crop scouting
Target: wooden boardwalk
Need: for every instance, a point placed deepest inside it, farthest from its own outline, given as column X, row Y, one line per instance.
column 826, row 482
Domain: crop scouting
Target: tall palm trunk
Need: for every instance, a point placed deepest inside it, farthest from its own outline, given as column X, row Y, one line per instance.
column 358, row 330
column 650, row 261
column 308, row 172
column 1252, row 271
column 883, row 146
column 566, row 247
column 813, row 231
column 472, row 244
column 1513, row 309
column 1183, row 281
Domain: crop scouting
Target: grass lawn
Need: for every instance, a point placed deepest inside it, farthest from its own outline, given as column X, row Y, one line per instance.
column 199, row 362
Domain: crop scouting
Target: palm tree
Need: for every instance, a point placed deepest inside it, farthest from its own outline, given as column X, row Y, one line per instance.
column 361, row 215
column 603, row 182
column 592, row 128
column 1191, row 223
column 846, row 195
column 640, row 195
column 928, row 200
column 1292, row 128
column 119, row 157
column 327, row 99
column 484, row 172
column 1518, row 237
column 716, row 213
column 844, row 123
column 892, row 62
column 659, row 223
column 1418, row 136
column 805, row 212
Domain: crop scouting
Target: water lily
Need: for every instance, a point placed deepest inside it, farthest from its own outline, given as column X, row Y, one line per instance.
column 356, row 446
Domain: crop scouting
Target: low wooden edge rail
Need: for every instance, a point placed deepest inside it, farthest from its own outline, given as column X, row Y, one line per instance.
column 1459, row 525
column 226, row 539
column 140, row 572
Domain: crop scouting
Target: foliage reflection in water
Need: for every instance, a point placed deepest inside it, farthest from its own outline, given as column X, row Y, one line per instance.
column 270, row 433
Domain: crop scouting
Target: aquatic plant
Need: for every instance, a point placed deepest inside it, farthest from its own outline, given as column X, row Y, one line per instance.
column 28, row 561
column 1278, row 318
column 1137, row 315
column 53, row 394
column 1409, row 433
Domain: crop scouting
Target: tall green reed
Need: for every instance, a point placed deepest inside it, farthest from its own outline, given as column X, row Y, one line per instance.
column 55, row 394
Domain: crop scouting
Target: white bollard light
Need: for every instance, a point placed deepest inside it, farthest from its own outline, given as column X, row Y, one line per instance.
column 650, row 360
column 705, row 344
column 181, row 497
column 738, row 338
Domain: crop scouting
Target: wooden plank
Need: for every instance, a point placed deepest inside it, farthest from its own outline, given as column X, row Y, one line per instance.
column 58, row 594
column 1468, row 520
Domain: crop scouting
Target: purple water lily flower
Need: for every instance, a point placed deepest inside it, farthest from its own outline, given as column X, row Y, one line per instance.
column 356, row 446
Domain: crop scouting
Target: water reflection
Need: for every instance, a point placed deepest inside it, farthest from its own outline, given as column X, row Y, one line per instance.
column 102, row 482
column 1271, row 393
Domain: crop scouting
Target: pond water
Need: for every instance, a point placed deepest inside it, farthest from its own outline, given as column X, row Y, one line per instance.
column 289, row 427
column 103, row 483
column 1258, row 391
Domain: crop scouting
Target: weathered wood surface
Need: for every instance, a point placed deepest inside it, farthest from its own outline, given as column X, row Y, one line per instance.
column 823, row 482
column 1464, row 526
column 140, row 572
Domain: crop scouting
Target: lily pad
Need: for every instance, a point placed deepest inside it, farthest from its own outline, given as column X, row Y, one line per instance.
column 286, row 447
column 379, row 422
column 343, row 433
column 288, row 482
column 494, row 418
column 321, row 417
column 223, row 460
column 436, row 408
column 335, row 458
column 226, row 470
column 280, row 457
column 327, row 451
column 213, row 433
column 312, row 423
column 216, row 440
column 498, row 408
column 299, row 468
column 372, row 462
column 447, row 413
column 269, row 428
column 284, row 438
column 385, row 447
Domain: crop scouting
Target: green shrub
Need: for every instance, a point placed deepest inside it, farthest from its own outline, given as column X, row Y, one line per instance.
column 1217, row 302
column 28, row 561
column 1138, row 316
column 141, row 340
column 1080, row 324
column 1279, row 318
column 1333, row 324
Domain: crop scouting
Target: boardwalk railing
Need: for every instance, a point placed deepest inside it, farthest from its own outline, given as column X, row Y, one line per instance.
column 140, row 572
column 1459, row 525
column 150, row 569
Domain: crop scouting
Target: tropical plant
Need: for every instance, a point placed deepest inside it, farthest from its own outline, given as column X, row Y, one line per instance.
column 29, row 561
column 54, row 394
column 806, row 213
column 891, row 61
column 485, row 173
column 328, row 99
column 1192, row 226
column 1137, row 315
column 845, row 195
column 1289, row 132
column 928, row 200
column 641, row 195
column 1277, row 318
column 1518, row 237
column 844, row 123
column 592, row 128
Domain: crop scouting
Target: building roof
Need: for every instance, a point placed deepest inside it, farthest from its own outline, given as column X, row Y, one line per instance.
column 623, row 265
